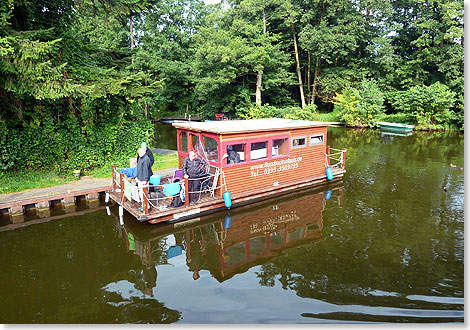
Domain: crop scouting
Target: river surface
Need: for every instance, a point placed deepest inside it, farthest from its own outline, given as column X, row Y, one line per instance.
column 384, row 245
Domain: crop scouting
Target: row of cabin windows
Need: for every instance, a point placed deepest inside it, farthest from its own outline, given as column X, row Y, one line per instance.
column 237, row 152
column 258, row 151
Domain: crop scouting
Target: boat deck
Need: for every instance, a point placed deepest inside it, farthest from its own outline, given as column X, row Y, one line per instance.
column 163, row 211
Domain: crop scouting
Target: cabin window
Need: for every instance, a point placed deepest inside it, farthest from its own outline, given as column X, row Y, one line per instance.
column 183, row 142
column 259, row 150
column 236, row 153
column 316, row 140
column 280, row 147
column 299, row 142
column 195, row 142
column 212, row 149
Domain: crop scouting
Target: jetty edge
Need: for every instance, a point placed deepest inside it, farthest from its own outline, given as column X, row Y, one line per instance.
column 249, row 159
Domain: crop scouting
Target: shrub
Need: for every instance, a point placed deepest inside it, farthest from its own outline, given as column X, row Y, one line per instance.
column 429, row 107
column 360, row 106
column 269, row 111
column 69, row 146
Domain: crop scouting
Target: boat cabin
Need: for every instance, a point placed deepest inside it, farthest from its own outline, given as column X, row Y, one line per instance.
column 257, row 154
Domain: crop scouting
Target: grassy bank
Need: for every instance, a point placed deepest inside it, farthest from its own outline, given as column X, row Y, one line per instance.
column 23, row 180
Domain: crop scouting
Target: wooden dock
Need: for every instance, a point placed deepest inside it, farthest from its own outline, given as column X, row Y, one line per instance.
column 41, row 198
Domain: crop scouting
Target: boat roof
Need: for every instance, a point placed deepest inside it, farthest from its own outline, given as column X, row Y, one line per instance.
column 245, row 126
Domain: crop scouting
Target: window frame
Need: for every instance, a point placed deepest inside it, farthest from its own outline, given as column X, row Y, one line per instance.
column 298, row 137
column 178, row 144
column 316, row 144
column 286, row 138
column 217, row 140
column 268, row 151
column 199, row 136
column 232, row 143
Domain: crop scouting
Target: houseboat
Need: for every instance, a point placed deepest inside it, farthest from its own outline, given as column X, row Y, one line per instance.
column 247, row 160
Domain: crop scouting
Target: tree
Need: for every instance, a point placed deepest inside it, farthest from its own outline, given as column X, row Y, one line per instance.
column 234, row 52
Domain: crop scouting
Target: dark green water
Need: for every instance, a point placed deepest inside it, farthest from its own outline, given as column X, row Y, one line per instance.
column 164, row 137
column 386, row 246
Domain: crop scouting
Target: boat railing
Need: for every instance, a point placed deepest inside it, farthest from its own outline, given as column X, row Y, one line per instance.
column 211, row 185
column 116, row 179
column 335, row 158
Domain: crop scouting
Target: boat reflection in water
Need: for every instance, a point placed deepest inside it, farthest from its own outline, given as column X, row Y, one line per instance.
column 229, row 243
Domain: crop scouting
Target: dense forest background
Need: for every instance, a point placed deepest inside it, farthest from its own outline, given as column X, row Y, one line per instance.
column 81, row 80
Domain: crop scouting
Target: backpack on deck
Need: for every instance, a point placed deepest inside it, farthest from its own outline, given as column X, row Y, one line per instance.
column 176, row 202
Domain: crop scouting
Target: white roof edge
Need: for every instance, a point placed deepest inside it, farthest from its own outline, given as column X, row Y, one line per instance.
column 240, row 126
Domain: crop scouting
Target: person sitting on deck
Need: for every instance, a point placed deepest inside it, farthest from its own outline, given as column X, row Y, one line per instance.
column 193, row 168
column 143, row 173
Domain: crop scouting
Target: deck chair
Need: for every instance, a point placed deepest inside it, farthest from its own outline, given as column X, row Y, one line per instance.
column 209, row 184
column 178, row 175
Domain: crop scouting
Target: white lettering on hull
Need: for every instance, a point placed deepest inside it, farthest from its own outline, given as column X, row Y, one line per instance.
column 187, row 213
column 275, row 166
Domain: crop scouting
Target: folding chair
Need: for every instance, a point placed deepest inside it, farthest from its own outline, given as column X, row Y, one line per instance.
column 178, row 175
column 208, row 186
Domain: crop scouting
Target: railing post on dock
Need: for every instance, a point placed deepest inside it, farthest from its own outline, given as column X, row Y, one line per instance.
column 114, row 177
column 146, row 199
column 121, row 176
column 328, row 156
column 186, row 190
column 343, row 156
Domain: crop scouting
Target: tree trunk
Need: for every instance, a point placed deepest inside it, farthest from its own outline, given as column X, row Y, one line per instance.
column 297, row 68
column 308, row 78
column 259, row 79
column 131, row 37
column 315, row 81
column 259, row 75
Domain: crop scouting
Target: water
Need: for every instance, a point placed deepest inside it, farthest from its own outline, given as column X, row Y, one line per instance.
column 164, row 137
column 384, row 245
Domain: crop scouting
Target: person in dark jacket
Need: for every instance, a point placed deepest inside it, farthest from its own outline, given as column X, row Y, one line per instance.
column 149, row 154
column 143, row 172
column 194, row 168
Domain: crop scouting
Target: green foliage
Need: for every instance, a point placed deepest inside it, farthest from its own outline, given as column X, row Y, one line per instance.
column 360, row 107
column 269, row 111
column 429, row 107
column 70, row 146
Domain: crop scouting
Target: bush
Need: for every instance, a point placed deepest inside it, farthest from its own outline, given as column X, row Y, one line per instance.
column 269, row 111
column 69, row 145
column 429, row 107
column 360, row 106
column 395, row 118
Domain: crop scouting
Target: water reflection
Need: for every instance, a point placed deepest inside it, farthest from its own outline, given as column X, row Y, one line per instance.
column 231, row 243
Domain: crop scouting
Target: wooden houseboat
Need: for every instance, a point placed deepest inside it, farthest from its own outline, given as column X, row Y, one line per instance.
column 249, row 159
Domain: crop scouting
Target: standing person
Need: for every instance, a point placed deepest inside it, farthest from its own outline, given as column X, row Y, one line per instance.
column 149, row 154
column 193, row 168
column 143, row 173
